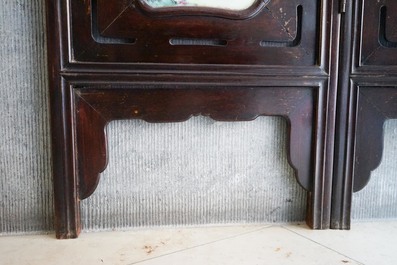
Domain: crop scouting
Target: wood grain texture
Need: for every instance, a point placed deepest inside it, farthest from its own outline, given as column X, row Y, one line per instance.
column 96, row 107
column 342, row 180
column 118, row 62
column 375, row 105
column 369, row 62
column 375, row 37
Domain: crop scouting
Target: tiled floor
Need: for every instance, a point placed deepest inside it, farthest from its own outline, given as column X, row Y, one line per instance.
column 366, row 243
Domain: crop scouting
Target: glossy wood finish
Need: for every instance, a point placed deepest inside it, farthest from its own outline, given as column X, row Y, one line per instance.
column 375, row 23
column 95, row 108
column 204, row 9
column 366, row 99
column 124, row 33
column 113, row 60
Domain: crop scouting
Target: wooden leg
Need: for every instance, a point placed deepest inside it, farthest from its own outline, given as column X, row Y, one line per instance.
column 67, row 205
column 319, row 196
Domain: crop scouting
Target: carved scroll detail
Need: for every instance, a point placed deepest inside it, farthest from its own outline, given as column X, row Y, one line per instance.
column 95, row 108
column 383, row 40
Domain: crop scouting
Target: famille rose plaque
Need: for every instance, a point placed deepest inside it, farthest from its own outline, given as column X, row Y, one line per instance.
column 218, row 4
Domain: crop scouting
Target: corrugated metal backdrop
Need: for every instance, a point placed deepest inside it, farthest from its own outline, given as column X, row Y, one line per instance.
column 197, row 172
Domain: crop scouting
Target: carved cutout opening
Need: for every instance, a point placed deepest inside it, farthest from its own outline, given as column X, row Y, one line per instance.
column 383, row 40
column 197, row 42
column 298, row 37
column 180, row 105
column 196, row 172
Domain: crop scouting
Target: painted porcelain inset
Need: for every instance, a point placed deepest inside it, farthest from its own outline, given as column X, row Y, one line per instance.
column 220, row 4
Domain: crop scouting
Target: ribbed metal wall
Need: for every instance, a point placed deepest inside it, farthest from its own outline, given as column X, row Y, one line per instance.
column 25, row 180
column 198, row 172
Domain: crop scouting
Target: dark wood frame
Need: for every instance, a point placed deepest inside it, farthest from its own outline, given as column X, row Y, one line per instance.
column 89, row 74
column 366, row 99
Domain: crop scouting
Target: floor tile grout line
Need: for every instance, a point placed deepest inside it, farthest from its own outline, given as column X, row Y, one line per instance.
column 333, row 250
column 205, row 244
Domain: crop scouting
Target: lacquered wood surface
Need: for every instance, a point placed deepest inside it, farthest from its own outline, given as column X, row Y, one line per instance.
column 366, row 99
column 116, row 60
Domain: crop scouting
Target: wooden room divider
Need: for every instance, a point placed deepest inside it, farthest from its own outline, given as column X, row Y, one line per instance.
column 317, row 63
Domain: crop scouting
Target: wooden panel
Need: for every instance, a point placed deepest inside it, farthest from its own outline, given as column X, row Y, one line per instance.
column 96, row 107
column 376, row 29
column 279, row 33
column 367, row 73
column 375, row 105
column 119, row 60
